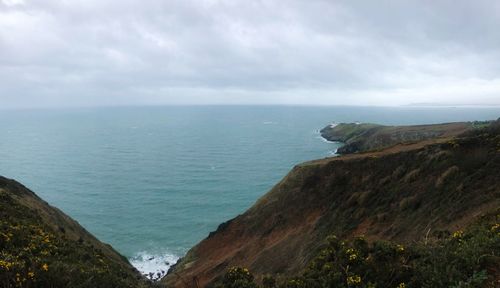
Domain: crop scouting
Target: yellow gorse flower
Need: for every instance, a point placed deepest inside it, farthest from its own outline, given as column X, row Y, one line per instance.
column 495, row 227
column 6, row 265
column 458, row 234
column 45, row 267
column 352, row 254
column 353, row 280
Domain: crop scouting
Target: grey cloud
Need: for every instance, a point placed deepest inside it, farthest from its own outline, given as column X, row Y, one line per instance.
column 73, row 53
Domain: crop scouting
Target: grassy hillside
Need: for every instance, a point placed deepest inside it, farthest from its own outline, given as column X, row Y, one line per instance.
column 402, row 194
column 42, row 247
column 366, row 136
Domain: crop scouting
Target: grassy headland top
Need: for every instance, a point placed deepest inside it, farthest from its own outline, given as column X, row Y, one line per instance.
column 359, row 137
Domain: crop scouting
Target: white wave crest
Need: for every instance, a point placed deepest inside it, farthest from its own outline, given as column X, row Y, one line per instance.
column 153, row 266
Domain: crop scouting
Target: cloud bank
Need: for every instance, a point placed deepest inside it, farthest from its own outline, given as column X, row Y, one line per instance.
column 88, row 53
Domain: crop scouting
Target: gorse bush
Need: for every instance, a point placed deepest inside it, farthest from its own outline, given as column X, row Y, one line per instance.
column 237, row 277
column 32, row 254
column 459, row 259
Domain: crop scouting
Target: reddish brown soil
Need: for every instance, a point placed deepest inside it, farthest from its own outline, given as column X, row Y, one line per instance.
column 389, row 194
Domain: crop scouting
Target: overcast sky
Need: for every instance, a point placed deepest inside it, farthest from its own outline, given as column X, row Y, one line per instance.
column 123, row 52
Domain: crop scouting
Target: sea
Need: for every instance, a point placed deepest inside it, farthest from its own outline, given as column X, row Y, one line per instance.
column 154, row 181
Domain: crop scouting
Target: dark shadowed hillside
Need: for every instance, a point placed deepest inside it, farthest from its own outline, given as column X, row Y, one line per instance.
column 40, row 246
column 405, row 194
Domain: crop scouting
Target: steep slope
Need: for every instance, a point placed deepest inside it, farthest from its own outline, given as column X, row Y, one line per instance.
column 463, row 258
column 366, row 136
column 403, row 193
column 43, row 247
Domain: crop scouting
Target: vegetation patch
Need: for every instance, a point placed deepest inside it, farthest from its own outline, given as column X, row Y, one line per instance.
column 32, row 254
column 460, row 259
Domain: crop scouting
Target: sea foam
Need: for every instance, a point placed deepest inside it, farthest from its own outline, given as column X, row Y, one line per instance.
column 153, row 265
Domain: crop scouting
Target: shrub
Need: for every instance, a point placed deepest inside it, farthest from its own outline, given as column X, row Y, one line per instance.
column 237, row 277
column 32, row 254
column 459, row 259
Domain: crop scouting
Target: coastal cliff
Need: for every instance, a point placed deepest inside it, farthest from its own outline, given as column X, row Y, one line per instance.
column 404, row 193
column 413, row 192
column 40, row 246
column 361, row 137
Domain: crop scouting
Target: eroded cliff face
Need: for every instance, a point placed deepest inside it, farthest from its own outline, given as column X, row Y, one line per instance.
column 403, row 193
column 43, row 247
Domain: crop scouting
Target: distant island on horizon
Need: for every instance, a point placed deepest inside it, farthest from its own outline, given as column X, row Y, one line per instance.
column 450, row 105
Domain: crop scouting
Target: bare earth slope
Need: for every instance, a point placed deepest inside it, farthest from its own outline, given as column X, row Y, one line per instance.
column 402, row 193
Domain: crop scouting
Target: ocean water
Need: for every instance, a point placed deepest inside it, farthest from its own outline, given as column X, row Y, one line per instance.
column 154, row 181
